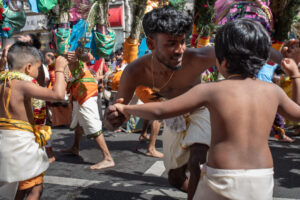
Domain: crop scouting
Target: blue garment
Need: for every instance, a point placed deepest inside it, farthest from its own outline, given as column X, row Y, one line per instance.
column 79, row 30
column 266, row 72
column 143, row 48
column 33, row 6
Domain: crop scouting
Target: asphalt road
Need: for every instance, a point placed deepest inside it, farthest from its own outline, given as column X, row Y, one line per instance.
column 137, row 176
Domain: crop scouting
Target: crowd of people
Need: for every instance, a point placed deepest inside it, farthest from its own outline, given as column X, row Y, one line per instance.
column 217, row 131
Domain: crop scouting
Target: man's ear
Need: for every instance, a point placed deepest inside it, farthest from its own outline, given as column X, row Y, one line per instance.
column 150, row 43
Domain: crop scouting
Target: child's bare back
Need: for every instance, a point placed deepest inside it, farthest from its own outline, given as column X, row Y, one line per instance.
column 242, row 113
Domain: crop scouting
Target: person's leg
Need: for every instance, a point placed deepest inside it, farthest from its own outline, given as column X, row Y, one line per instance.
column 155, row 127
column 77, row 139
column 144, row 135
column 198, row 153
column 178, row 179
column 20, row 195
column 107, row 159
column 35, row 192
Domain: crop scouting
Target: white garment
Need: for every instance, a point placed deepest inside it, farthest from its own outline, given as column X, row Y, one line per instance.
column 87, row 115
column 21, row 158
column 176, row 144
column 221, row 184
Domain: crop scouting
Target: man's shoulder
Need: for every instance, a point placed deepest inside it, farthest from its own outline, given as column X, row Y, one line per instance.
column 139, row 65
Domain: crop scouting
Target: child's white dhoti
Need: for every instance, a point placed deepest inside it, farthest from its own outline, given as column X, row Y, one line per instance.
column 253, row 184
column 178, row 138
column 87, row 115
column 21, row 158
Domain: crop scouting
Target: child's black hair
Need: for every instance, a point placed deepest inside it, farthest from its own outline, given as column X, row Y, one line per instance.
column 22, row 53
column 245, row 44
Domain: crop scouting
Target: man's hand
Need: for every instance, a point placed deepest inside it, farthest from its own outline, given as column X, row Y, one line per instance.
column 290, row 67
column 72, row 57
column 61, row 63
column 113, row 118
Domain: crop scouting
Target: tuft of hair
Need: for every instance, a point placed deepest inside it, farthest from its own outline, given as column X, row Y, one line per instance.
column 166, row 20
column 245, row 44
column 21, row 54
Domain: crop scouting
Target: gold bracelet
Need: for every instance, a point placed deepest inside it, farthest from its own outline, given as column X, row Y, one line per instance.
column 294, row 77
column 60, row 71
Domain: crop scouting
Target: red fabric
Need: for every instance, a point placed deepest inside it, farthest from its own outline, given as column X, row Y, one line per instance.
column 97, row 65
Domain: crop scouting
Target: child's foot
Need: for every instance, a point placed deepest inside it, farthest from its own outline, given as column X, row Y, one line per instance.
column 155, row 154
column 144, row 137
column 103, row 164
column 50, row 154
column 286, row 138
column 72, row 150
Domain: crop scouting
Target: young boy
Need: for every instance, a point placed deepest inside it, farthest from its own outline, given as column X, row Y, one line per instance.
column 23, row 159
column 242, row 110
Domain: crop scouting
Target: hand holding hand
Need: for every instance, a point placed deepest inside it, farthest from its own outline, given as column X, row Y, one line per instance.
column 121, row 108
column 61, row 63
column 113, row 118
column 290, row 67
column 292, row 50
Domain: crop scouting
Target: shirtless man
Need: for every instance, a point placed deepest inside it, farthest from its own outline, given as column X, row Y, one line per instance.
column 242, row 109
column 171, row 69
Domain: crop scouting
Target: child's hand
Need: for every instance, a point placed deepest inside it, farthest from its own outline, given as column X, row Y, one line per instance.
column 121, row 109
column 292, row 50
column 61, row 63
column 290, row 67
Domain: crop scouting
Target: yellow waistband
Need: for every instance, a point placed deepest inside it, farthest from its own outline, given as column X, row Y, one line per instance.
column 13, row 124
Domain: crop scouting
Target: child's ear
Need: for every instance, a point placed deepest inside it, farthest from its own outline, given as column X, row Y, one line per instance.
column 28, row 68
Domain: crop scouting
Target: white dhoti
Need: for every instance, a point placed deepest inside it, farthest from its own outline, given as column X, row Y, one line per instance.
column 253, row 184
column 87, row 115
column 176, row 142
column 21, row 158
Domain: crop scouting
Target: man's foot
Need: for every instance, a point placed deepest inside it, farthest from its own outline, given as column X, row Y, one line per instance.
column 155, row 154
column 50, row 154
column 286, row 138
column 144, row 137
column 118, row 130
column 297, row 132
column 103, row 164
column 72, row 150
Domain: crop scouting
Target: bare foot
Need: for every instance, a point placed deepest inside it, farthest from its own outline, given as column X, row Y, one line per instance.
column 50, row 154
column 72, row 150
column 118, row 131
column 297, row 132
column 144, row 137
column 155, row 154
column 103, row 164
column 286, row 138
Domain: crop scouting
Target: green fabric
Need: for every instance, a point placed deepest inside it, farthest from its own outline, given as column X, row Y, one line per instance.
column 46, row 5
column 62, row 37
column 15, row 20
column 105, row 43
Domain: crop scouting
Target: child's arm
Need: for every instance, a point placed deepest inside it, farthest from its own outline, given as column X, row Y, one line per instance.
column 194, row 98
column 287, row 107
column 58, row 91
column 291, row 69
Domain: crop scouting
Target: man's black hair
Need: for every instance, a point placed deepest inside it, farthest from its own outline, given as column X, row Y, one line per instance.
column 22, row 53
column 166, row 20
column 245, row 44
column 119, row 51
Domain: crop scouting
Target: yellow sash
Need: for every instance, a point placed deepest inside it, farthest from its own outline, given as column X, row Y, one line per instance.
column 42, row 133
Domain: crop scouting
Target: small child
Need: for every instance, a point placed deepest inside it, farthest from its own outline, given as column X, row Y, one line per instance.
column 242, row 110
column 23, row 159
